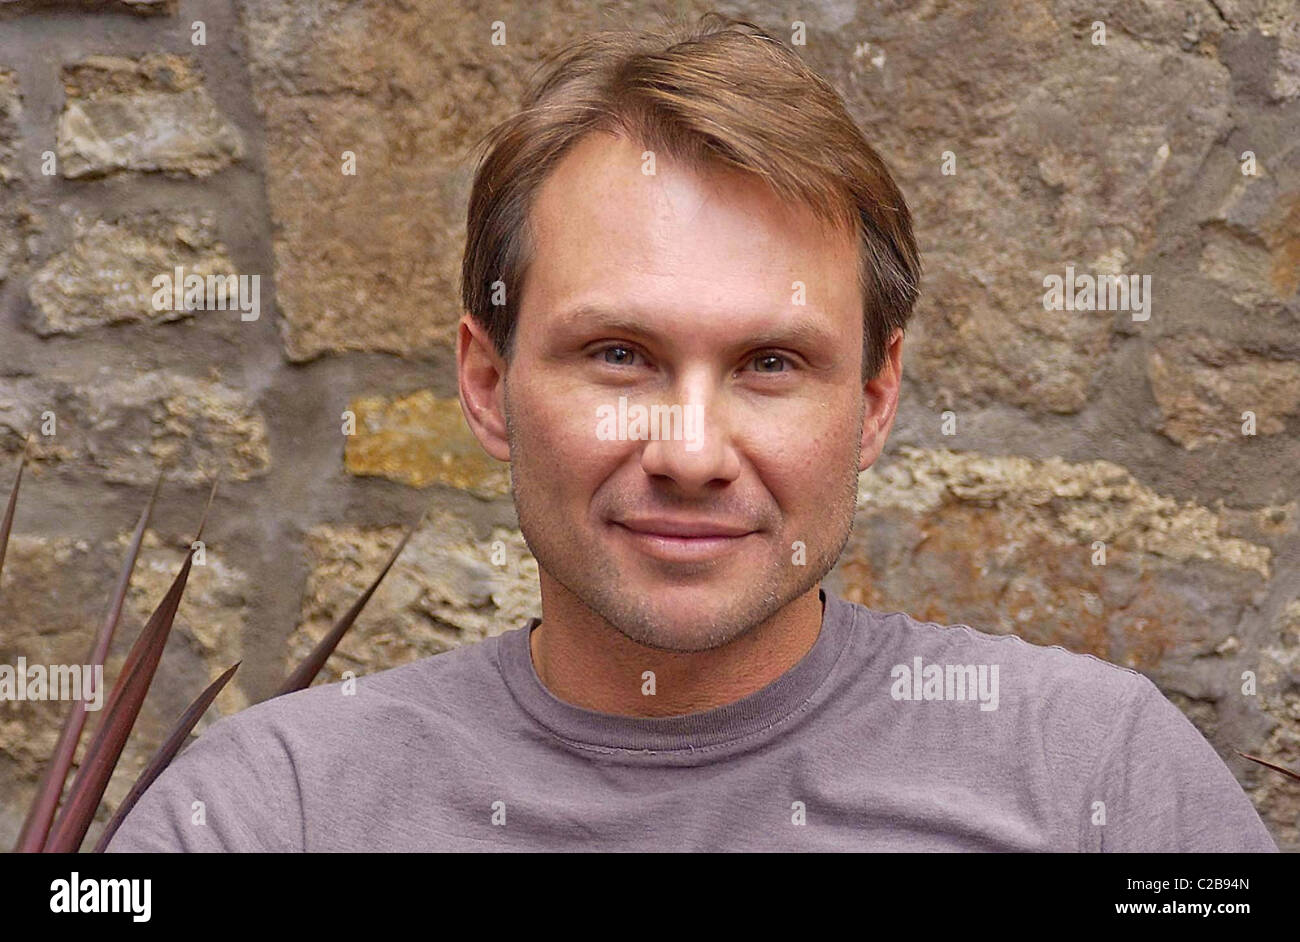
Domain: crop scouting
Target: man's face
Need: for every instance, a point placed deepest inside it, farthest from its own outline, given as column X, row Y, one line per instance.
column 700, row 272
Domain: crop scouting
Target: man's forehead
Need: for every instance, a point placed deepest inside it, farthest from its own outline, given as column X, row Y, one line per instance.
column 608, row 160
column 676, row 230
column 612, row 182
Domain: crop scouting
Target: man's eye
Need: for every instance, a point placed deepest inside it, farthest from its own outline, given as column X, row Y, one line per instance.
column 768, row 359
column 621, row 355
column 624, row 357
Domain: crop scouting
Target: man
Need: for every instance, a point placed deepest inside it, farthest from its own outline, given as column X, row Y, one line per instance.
column 696, row 231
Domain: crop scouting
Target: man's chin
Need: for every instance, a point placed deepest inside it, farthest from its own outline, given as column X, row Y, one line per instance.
column 684, row 618
column 678, row 639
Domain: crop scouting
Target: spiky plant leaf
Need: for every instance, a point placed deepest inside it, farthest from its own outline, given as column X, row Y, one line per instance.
column 171, row 745
column 1276, row 768
column 306, row 672
column 7, row 523
column 37, row 826
column 123, row 707
column 119, row 716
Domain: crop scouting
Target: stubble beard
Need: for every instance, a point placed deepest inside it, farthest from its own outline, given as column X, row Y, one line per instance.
column 592, row 578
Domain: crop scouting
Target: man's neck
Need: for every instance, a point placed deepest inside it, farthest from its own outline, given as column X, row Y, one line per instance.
column 600, row 669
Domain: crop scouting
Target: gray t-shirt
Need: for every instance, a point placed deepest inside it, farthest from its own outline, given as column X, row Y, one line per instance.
column 889, row 735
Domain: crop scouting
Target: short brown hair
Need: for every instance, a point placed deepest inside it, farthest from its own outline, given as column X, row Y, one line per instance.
column 720, row 92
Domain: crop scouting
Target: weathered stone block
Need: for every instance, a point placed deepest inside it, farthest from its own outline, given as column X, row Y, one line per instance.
column 371, row 260
column 128, row 428
column 1204, row 387
column 11, row 178
column 105, row 275
column 150, row 114
column 421, row 440
column 448, row 588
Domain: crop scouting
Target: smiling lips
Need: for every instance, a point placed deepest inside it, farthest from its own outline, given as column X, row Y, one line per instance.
column 682, row 540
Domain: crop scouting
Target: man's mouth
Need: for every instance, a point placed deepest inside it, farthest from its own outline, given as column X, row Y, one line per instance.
column 682, row 540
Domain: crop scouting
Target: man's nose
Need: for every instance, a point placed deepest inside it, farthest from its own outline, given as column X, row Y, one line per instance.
column 702, row 453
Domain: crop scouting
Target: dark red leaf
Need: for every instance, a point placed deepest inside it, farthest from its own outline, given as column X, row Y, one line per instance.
column 7, row 524
column 175, row 739
column 306, row 672
column 37, row 826
column 119, row 716
column 1276, row 768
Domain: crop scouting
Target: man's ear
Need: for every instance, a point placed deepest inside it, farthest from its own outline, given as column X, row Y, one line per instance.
column 881, row 396
column 481, row 374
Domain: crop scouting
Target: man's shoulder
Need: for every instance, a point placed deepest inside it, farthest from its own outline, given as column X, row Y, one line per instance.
column 250, row 770
column 1068, row 711
column 1099, row 741
column 423, row 692
column 1026, row 671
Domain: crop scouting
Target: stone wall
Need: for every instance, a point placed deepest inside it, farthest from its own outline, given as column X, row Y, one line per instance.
column 141, row 135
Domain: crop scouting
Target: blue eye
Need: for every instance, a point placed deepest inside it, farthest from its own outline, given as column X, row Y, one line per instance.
column 770, row 356
column 627, row 350
column 626, row 357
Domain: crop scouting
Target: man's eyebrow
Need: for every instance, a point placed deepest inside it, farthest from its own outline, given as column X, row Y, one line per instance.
column 597, row 317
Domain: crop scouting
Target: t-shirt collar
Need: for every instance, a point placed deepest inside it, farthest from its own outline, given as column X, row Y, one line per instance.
column 721, row 729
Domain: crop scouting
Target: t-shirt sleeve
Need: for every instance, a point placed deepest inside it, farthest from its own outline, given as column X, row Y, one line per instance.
column 1165, row 789
column 232, row 790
